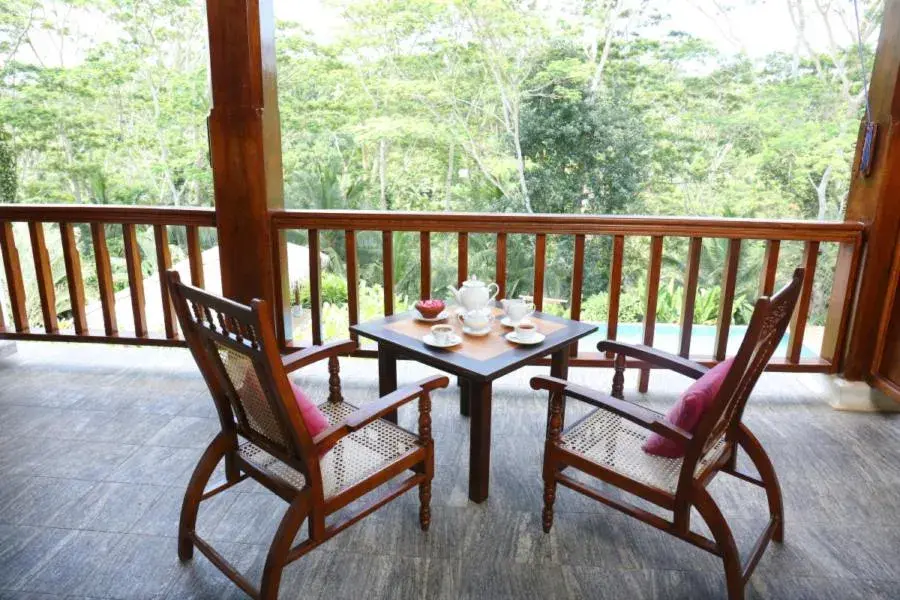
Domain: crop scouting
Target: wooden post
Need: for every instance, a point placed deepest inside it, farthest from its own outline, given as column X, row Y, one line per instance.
column 873, row 200
column 245, row 146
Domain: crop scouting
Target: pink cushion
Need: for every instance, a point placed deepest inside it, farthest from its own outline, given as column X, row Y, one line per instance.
column 315, row 421
column 690, row 408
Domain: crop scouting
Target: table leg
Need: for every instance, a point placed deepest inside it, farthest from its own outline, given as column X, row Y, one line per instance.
column 479, row 440
column 463, row 396
column 559, row 367
column 559, row 363
column 387, row 376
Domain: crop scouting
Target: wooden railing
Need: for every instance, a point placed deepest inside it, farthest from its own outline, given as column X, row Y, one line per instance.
column 97, row 218
column 849, row 237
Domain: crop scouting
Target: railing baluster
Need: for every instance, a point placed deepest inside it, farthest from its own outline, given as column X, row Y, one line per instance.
column 841, row 301
column 726, row 304
column 163, row 264
column 74, row 277
column 577, row 284
column 284, row 320
column 352, row 279
column 540, row 259
column 615, row 289
column 315, row 300
column 14, row 282
column 104, row 278
column 656, row 248
column 195, row 256
column 500, row 273
column 44, row 276
column 425, row 256
column 690, row 296
column 767, row 279
column 387, row 258
column 801, row 313
column 462, row 258
column 135, row 278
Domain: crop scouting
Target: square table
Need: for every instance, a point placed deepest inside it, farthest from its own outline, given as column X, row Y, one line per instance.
column 477, row 362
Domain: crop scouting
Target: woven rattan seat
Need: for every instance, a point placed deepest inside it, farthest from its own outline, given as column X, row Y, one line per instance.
column 615, row 443
column 354, row 458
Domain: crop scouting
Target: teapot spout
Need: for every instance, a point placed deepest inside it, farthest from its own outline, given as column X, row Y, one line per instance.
column 455, row 293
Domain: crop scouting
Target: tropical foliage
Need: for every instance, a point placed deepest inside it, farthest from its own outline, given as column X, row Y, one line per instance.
column 452, row 105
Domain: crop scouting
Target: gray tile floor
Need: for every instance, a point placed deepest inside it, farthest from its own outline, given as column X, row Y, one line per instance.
column 97, row 443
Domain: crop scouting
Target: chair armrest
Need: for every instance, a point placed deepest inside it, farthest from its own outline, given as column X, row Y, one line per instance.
column 308, row 356
column 646, row 418
column 373, row 411
column 653, row 356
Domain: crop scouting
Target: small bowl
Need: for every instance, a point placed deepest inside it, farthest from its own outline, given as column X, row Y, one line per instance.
column 430, row 309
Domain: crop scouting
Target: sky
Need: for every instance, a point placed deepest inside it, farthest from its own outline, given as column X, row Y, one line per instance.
column 759, row 27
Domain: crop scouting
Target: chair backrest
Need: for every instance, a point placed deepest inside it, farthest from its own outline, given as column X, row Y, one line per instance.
column 237, row 352
column 770, row 320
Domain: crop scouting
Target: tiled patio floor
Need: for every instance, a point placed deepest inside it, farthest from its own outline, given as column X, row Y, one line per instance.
column 96, row 445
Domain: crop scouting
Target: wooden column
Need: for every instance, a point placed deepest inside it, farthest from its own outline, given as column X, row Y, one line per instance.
column 873, row 200
column 886, row 370
column 245, row 146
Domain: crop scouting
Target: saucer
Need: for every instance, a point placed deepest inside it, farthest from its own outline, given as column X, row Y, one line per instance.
column 430, row 341
column 418, row 316
column 537, row 339
column 476, row 332
column 507, row 322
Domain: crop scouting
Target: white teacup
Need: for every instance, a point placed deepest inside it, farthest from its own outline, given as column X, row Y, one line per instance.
column 526, row 331
column 442, row 334
column 517, row 309
column 476, row 320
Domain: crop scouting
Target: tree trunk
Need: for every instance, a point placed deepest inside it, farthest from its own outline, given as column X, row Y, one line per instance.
column 822, row 193
column 448, row 186
column 382, row 173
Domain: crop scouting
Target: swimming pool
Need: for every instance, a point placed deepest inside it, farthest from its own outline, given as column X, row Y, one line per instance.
column 666, row 337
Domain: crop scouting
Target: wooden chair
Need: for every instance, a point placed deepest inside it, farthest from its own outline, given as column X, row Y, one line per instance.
column 263, row 436
column 606, row 444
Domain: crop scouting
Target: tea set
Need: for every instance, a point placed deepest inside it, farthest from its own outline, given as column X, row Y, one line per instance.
column 476, row 317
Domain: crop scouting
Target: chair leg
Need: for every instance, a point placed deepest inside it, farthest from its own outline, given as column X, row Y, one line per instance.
column 425, row 504
column 549, row 499
column 220, row 446
column 766, row 471
column 232, row 472
column 281, row 545
column 731, row 558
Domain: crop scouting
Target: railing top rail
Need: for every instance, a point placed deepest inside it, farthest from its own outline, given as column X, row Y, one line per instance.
column 85, row 213
column 823, row 231
column 764, row 229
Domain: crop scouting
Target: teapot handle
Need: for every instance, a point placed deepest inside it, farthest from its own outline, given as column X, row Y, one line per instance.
column 496, row 291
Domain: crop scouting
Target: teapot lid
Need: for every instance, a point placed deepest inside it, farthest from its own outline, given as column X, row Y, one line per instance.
column 473, row 281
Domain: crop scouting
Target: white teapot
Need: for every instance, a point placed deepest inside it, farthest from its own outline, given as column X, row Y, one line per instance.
column 474, row 294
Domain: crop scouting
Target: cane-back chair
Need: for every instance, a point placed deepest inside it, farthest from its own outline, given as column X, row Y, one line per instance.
column 263, row 435
column 607, row 443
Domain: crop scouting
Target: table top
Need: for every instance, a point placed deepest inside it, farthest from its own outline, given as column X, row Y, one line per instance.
column 483, row 358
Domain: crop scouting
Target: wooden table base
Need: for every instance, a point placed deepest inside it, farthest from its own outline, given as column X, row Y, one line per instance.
column 475, row 381
column 387, row 376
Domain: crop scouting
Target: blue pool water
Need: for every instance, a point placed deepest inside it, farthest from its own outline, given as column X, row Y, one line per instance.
column 666, row 337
